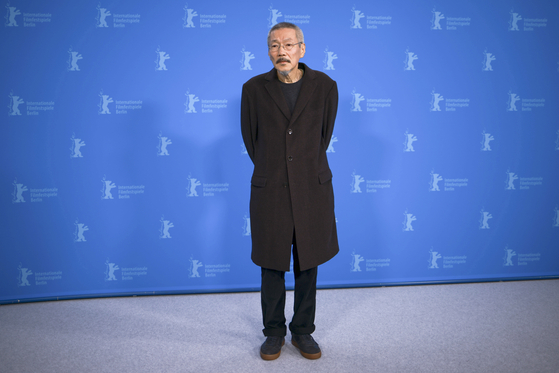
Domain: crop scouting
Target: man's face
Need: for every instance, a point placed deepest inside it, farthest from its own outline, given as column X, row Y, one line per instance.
column 285, row 61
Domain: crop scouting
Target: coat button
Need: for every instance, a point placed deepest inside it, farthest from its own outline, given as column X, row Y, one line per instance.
column 285, row 185
column 290, row 158
column 290, row 131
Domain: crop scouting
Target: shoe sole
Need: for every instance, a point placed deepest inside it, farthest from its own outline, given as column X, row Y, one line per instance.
column 273, row 356
column 306, row 355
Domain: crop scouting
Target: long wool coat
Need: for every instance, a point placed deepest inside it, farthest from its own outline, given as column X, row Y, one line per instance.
column 291, row 186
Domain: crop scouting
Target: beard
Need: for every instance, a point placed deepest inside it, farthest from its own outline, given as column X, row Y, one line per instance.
column 284, row 73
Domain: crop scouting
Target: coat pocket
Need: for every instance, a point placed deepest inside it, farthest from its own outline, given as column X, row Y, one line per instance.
column 258, row 181
column 325, row 176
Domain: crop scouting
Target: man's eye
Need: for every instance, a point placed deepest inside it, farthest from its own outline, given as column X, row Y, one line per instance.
column 275, row 46
column 288, row 45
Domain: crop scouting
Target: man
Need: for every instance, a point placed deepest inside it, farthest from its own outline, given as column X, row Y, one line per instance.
column 287, row 120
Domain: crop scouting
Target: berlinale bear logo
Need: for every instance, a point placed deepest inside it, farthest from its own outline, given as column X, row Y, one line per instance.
column 104, row 103
column 511, row 103
column 78, row 233
column 274, row 15
column 487, row 59
column 191, row 99
column 507, row 260
column 15, row 101
column 73, row 59
column 75, row 147
column 193, row 183
column 22, row 276
column 17, row 194
column 356, row 16
column 110, row 269
column 164, row 230
column 356, row 260
column 409, row 218
column 108, row 185
column 408, row 63
column 435, row 99
column 355, row 181
column 193, row 268
column 329, row 59
column 11, row 17
column 246, row 57
column 434, row 183
column 513, row 23
column 189, row 14
column 433, row 256
column 246, row 226
column 102, row 14
column 486, row 138
column 356, row 99
column 408, row 142
column 483, row 222
column 163, row 143
column 160, row 59
column 511, row 177
column 435, row 21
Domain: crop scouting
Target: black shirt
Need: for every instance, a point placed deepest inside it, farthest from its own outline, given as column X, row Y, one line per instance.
column 291, row 92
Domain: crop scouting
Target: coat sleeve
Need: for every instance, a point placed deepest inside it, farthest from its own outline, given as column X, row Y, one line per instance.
column 330, row 111
column 248, row 123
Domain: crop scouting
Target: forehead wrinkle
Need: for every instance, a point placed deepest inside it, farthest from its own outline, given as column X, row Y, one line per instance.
column 284, row 39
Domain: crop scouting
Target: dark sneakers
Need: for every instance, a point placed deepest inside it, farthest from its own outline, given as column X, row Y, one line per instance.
column 271, row 348
column 306, row 345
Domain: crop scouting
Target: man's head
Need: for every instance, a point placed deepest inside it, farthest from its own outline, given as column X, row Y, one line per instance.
column 281, row 37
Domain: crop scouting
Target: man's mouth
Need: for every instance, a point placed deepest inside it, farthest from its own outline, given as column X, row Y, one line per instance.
column 280, row 60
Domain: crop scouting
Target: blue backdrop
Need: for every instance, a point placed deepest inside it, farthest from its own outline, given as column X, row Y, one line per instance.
column 124, row 172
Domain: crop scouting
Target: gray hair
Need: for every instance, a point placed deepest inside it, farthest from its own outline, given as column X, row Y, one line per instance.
column 298, row 31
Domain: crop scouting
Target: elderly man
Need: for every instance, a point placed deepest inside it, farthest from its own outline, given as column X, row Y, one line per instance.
column 287, row 120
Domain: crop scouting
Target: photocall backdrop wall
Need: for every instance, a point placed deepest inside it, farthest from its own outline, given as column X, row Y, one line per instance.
column 124, row 171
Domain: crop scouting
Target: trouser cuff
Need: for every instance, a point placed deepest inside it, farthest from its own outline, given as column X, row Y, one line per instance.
column 300, row 331
column 275, row 332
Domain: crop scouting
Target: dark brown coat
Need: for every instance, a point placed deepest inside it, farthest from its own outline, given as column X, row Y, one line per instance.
column 292, row 183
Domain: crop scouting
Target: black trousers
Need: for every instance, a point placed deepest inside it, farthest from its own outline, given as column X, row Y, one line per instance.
column 273, row 300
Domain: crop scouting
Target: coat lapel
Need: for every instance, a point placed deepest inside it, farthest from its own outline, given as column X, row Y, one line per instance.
column 307, row 90
column 274, row 89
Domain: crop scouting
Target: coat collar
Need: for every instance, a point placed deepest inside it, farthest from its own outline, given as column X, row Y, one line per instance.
column 307, row 89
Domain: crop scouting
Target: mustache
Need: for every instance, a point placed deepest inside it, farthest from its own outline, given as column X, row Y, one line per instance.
column 282, row 59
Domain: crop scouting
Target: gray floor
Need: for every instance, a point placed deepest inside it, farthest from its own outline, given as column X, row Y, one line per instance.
column 485, row 327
